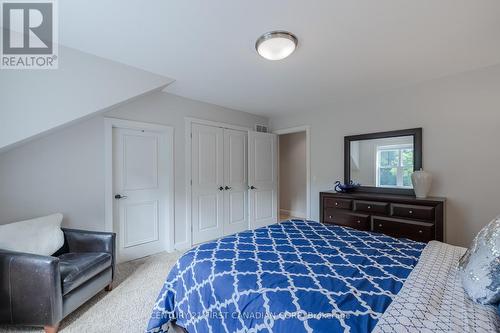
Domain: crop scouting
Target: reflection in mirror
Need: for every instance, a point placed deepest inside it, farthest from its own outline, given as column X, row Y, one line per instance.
column 386, row 162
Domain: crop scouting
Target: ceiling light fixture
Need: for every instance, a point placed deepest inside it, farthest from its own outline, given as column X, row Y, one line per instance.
column 276, row 45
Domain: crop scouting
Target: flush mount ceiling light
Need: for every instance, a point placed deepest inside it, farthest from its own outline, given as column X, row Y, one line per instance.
column 276, row 45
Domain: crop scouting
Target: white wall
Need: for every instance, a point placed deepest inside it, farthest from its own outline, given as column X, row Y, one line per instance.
column 292, row 177
column 35, row 101
column 64, row 171
column 61, row 172
column 460, row 116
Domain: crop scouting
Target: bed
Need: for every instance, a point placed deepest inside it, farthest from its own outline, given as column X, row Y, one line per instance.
column 304, row 276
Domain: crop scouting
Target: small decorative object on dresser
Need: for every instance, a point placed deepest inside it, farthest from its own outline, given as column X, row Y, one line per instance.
column 421, row 181
column 345, row 188
column 399, row 216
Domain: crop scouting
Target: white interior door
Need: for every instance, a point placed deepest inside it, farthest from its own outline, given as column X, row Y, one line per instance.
column 262, row 179
column 235, row 182
column 142, row 184
column 207, row 189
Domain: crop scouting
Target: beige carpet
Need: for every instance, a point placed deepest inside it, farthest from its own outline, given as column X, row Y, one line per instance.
column 125, row 309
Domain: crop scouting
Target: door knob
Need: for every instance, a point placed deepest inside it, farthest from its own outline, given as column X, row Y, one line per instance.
column 253, row 187
column 227, row 188
column 119, row 196
column 221, row 188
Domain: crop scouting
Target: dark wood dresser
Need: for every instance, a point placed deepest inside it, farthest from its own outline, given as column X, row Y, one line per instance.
column 399, row 216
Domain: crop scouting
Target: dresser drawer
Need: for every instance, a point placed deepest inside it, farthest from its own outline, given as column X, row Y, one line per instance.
column 414, row 212
column 371, row 207
column 417, row 231
column 329, row 214
column 343, row 218
column 337, row 203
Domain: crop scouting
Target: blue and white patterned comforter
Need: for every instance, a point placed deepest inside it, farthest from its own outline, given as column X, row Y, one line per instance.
column 296, row 276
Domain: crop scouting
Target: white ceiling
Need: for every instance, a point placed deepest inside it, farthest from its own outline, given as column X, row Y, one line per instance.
column 347, row 48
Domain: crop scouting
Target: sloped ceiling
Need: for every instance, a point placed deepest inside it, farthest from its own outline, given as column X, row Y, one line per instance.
column 347, row 48
column 33, row 102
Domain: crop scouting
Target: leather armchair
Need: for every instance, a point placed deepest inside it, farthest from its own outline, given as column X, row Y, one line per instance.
column 41, row 290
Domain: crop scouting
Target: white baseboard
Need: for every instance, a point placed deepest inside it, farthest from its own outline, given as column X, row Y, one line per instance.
column 182, row 246
column 292, row 213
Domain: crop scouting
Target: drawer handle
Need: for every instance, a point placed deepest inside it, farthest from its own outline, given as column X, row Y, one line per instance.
column 380, row 225
column 420, row 232
column 369, row 207
column 336, row 203
column 330, row 217
column 410, row 212
column 359, row 221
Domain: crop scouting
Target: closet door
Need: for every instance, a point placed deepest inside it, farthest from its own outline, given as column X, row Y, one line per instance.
column 142, row 165
column 262, row 179
column 207, row 177
column 235, row 182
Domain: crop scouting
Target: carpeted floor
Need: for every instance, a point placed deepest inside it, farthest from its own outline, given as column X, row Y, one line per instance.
column 125, row 309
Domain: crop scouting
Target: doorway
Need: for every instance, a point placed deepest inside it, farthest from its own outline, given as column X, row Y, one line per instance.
column 293, row 170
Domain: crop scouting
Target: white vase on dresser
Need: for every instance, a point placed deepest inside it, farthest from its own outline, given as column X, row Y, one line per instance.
column 421, row 181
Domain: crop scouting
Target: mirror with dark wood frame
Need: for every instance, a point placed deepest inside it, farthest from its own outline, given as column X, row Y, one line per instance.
column 383, row 162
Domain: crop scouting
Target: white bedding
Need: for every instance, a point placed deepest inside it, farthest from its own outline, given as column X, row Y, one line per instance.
column 433, row 300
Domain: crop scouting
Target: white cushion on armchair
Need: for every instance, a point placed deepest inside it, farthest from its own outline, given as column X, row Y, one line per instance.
column 42, row 236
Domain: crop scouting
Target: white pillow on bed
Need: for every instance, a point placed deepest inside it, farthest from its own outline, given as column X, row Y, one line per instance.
column 480, row 265
column 42, row 236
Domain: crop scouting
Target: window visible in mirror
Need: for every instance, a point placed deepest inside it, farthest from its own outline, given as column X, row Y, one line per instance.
column 383, row 162
column 394, row 166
